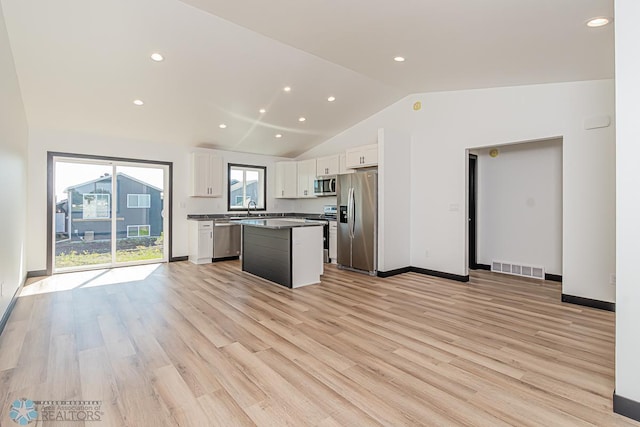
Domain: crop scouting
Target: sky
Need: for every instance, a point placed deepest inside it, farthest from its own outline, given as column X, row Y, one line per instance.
column 68, row 174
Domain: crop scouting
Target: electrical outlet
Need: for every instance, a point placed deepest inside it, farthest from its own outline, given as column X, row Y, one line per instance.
column 426, row 254
column 612, row 279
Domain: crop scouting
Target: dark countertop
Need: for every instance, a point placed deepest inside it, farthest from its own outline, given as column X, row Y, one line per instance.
column 261, row 215
column 278, row 223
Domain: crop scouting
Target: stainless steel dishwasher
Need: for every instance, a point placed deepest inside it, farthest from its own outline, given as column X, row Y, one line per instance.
column 226, row 239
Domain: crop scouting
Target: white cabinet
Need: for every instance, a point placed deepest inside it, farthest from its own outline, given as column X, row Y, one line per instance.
column 206, row 175
column 362, row 157
column 306, row 177
column 328, row 166
column 333, row 241
column 286, row 180
column 200, row 242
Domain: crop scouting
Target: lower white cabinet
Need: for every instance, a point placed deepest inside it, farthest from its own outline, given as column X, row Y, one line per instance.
column 200, row 242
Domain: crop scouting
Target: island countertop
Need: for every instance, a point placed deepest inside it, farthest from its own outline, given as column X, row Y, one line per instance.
column 278, row 224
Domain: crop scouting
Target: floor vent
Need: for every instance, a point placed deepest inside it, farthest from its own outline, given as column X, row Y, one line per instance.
column 518, row 269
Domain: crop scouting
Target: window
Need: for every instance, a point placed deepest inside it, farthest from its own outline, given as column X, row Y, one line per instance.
column 138, row 230
column 247, row 184
column 96, row 206
column 138, row 200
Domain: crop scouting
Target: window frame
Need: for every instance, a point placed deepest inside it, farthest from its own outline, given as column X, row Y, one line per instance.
column 96, row 217
column 263, row 169
column 148, row 197
column 138, row 228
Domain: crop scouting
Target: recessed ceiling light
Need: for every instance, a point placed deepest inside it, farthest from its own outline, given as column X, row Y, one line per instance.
column 597, row 22
column 399, row 59
column 262, row 111
column 301, row 119
column 222, row 126
column 157, row 57
column 278, row 135
column 287, row 89
column 331, row 98
column 138, row 102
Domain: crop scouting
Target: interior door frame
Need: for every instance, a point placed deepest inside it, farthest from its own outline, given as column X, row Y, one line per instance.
column 472, row 211
column 51, row 155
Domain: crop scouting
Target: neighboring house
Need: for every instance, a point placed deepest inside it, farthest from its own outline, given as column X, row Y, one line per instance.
column 138, row 209
column 237, row 195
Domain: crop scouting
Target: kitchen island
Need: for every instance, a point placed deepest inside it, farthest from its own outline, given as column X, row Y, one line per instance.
column 285, row 251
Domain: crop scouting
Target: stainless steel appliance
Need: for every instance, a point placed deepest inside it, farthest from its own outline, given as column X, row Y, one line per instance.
column 358, row 221
column 226, row 239
column 324, row 186
column 330, row 213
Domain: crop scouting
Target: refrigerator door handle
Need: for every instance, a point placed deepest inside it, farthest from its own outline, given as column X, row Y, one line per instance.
column 352, row 225
column 349, row 211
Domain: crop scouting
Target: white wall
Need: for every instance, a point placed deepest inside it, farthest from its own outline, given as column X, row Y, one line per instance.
column 41, row 141
column 519, row 206
column 394, row 199
column 14, row 134
column 451, row 122
column 628, row 201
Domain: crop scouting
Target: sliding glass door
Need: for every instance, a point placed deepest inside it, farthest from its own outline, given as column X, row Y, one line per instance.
column 108, row 213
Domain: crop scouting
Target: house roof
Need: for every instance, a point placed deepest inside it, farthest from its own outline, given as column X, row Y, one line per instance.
column 108, row 177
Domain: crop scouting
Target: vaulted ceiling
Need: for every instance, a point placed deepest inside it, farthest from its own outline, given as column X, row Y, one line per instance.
column 82, row 63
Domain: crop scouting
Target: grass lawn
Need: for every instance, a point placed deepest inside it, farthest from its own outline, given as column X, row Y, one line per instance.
column 76, row 259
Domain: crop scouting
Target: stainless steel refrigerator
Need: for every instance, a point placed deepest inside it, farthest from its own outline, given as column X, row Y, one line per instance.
column 358, row 221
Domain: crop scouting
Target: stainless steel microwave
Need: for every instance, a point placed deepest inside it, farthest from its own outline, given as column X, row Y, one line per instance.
column 325, row 186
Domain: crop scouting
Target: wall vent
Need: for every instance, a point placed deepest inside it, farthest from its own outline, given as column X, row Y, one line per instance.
column 518, row 269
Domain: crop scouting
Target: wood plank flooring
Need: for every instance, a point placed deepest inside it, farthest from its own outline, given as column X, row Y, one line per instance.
column 208, row 345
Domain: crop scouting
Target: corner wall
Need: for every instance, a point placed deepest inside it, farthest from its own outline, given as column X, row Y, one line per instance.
column 43, row 140
column 14, row 136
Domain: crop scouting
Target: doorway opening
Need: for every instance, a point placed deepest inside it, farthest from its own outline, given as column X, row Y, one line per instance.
column 515, row 207
column 107, row 212
column 472, row 203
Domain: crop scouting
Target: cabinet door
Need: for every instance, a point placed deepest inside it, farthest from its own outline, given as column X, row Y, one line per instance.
column 354, row 158
column 286, row 180
column 206, row 175
column 200, row 175
column 327, row 166
column 279, row 181
column 215, row 176
column 306, row 176
column 205, row 243
column 370, row 155
column 360, row 157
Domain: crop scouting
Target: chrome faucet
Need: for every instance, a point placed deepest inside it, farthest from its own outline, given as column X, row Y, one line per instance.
column 255, row 207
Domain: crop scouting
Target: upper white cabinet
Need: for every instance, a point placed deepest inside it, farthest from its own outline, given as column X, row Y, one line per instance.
column 362, row 157
column 327, row 166
column 306, row 177
column 286, row 180
column 206, row 175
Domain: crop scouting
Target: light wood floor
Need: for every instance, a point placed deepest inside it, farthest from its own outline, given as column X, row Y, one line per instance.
column 209, row 345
